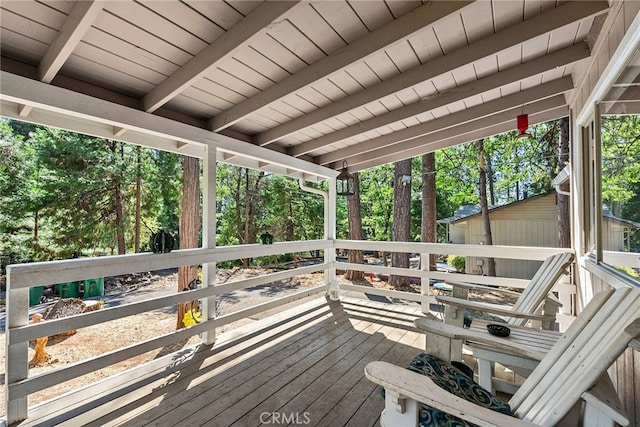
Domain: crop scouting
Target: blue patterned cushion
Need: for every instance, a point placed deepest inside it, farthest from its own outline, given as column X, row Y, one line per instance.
column 456, row 382
column 470, row 314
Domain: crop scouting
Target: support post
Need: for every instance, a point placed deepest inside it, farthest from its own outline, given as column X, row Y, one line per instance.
column 330, row 234
column 209, row 237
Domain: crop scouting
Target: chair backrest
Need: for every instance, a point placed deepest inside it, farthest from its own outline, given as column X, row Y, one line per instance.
column 540, row 285
column 592, row 343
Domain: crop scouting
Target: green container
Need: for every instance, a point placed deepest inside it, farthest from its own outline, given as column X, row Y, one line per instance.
column 69, row 289
column 35, row 293
column 94, row 287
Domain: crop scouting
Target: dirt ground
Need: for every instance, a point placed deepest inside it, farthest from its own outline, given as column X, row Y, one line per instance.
column 98, row 339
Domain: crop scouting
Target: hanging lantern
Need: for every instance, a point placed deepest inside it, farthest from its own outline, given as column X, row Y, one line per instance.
column 345, row 182
column 523, row 125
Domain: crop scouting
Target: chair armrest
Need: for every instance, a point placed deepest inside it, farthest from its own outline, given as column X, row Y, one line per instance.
column 494, row 309
column 458, row 333
column 472, row 286
column 475, row 287
column 414, row 386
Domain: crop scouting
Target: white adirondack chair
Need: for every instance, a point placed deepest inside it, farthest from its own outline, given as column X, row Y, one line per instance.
column 535, row 303
column 568, row 385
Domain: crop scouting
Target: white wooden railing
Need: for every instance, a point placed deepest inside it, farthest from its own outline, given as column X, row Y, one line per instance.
column 565, row 289
column 20, row 278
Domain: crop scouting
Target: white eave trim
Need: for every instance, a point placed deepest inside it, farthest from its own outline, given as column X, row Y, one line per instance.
column 562, row 177
column 59, row 107
column 626, row 49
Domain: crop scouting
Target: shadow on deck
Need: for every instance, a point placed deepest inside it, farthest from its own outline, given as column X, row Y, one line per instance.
column 301, row 366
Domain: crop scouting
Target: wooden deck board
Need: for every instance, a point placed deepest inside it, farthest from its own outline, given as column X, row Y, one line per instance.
column 306, row 360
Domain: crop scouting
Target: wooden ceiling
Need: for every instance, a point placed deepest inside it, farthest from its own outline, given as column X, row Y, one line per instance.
column 367, row 81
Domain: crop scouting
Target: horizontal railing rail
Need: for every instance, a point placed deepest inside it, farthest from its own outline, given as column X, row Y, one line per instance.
column 565, row 290
column 21, row 277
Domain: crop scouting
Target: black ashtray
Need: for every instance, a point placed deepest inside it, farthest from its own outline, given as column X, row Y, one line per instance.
column 498, row 330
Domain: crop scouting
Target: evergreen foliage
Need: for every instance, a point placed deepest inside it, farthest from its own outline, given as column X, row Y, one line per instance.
column 64, row 194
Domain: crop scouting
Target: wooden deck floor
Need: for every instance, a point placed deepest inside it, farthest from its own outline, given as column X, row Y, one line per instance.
column 306, row 362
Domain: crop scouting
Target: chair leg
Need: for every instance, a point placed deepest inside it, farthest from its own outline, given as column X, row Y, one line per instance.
column 399, row 411
column 485, row 374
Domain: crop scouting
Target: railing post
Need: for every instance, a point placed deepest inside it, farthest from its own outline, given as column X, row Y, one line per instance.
column 16, row 355
column 566, row 298
column 425, row 282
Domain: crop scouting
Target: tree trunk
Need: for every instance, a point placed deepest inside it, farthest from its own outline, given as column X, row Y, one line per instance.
column 401, row 231
column 247, row 215
column 564, row 223
column 488, row 240
column 355, row 229
column 138, row 198
column 189, row 229
column 429, row 212
column 491, row 178
column 117, row 205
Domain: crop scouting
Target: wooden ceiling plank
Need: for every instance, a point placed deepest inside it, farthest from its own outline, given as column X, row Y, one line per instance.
column 403, row 56
column 491, row 82
column 17, row 23
column 291, row 37
column 475, row 24
column 491, row 45
column 358, row 50
column 426, row 46
column 140, row 39
column 185, row 17
column 343, row 17
column 37, row 12
column 123, row 49
column 451, row 34
column 316, row 28
column 372, row 14
column 399, row 8
column 257, row 22
column 430, row 143
column 112, row 79
column 161, row 27
column 490, row 108
column 22, row 47
column 506, row 12
column 75, row 26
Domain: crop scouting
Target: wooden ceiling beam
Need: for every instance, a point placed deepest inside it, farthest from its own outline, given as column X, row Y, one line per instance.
column 255, row 23
column 481, row 128
column 493, row 81
column 560, row 16
column 394, row 32
column 74, row 28
column 461, row 139
column 518, row 99
column 24, row 110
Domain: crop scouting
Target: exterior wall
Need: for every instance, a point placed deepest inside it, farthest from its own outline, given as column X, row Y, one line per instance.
column 625, row 372
column 458, row 233
column 613, row 235
column 529, row 223
column 591, row 83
